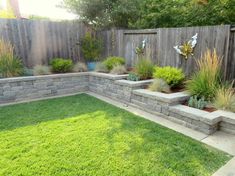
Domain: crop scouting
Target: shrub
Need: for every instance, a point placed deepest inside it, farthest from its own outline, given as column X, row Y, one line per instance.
column 225, row 98
column 100, row 67
column 91, row 47
column 159, row 85
column 144, row 69
column 196, row 102
column 205, row 82
column 173, row 76
column 27, row 72
column 80, row 67
column 118, row 70
column 41, row 70
column 60, row 65
column 9, row 65
column 133, row 77
column 113, row 61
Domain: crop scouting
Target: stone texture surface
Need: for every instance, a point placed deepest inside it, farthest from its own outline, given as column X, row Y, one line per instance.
column 33, row 87
column 113, row 87
column 117, row 88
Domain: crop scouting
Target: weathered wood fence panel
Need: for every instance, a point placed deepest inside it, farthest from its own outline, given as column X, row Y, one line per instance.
column 231, row 56
column 160, row 43
column 36, row 41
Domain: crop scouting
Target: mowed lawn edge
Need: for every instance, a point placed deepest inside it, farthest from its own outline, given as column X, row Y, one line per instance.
column 82, row 135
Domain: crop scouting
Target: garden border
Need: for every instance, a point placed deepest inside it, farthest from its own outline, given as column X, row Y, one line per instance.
column 13, row 90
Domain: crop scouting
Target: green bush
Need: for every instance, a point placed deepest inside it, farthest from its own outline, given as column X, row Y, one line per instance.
column 60, row 65
column 113, row 61
column 173, row 76
column 41, row 70
column 144, row 68
column 91, row 47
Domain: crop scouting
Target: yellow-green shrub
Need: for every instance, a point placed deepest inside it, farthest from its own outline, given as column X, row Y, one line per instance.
column 113, row 61
column 173, row 76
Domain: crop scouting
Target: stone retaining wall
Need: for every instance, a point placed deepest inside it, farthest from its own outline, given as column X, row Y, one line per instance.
column 114, row 86
column 33, row 87
column 118, row 88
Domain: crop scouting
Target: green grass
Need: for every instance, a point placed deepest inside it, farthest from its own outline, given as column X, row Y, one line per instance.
column 81, row 135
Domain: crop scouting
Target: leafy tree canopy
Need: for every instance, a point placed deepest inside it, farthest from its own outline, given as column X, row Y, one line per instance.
column 153, row 13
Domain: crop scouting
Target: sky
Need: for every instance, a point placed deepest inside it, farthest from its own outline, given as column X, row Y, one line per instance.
column 46, row 8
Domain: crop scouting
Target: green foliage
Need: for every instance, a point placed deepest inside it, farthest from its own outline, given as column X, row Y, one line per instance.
column 113, row 61
column 63, row 136
column 8, row 12
column 206, row 80
column 27, row 71
column 118, row 70
column 144, row 68
column 10, row 65
column 60, row 65
column 105, row 13
column 180, row 13
column 196, row 102
column 159, row 85
column 153, row 13
column 91, row 47
column 173, row 76
column 100, row 67
column 41, row 70
column 80, row 67
column 201, row 85
column 225, row 98
column 133, row 77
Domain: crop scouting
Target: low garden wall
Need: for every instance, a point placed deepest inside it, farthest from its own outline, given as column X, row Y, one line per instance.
column 33, row 87
column 118, row 88
column 114, row 86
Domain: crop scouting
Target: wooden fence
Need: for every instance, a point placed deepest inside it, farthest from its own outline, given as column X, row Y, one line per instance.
column 160, row 43
column 38, row 41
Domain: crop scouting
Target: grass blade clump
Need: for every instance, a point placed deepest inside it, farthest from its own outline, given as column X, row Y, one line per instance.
column 205, row 82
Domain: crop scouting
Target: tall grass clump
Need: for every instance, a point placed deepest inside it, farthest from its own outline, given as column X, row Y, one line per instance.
column 225, row 98
column 144, row 68
column 205, row 82
column 9, row 65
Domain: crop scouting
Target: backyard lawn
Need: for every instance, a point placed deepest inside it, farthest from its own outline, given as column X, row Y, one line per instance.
column 81, row 135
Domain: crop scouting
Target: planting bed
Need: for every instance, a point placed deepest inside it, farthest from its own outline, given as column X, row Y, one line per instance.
column 118, row 88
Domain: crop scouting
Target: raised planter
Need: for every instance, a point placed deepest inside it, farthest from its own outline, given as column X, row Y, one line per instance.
column 33, row 87
column 116, row 87
column 125, row 88
column 104, row 84
column 170, row 106
column 157, row 101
